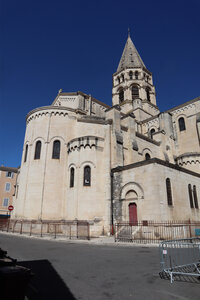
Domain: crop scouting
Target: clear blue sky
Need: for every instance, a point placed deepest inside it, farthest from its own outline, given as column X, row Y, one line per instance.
column 77, row 45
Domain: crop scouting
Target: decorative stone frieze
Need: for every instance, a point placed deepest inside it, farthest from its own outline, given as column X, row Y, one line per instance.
column 83, row 142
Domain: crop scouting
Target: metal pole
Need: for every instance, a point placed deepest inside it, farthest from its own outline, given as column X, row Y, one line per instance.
column 21, row 227
column 8, row 224
column 88, row 230
column 55, row 231
column 14, row 226
column 190, row 228
column 31, row 229
column 41, row 229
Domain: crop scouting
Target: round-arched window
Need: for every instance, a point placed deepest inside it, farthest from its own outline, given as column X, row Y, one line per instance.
column 181, row 123
column 148, row 94
column 152, row 131
column 26, row 153
column 56, row 150
column 121, row 95
column 38, row 146
column 147, row 156
column 87, row 176
column 135, row 92
column 72, row 172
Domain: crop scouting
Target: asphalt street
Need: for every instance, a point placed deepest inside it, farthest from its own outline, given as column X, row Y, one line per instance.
column 78, row 271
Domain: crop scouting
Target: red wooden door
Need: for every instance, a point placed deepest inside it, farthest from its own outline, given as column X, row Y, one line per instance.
column 133, row 214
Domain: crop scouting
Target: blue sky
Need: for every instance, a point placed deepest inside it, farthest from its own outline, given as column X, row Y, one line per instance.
column 77, row 45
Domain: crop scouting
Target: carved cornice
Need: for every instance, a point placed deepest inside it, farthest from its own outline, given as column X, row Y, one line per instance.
column 84, row 142
column 188, row 158
column 183, row 105
column 45, row 110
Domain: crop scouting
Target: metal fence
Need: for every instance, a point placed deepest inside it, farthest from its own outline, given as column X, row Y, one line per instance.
column 70, row 229
column 180, row 259
column 154, row 232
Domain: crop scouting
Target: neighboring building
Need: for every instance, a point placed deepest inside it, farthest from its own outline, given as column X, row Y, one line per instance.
column 85, row 160
column 7, row 189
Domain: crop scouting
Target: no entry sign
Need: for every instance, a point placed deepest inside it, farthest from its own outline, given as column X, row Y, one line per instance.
column 10, row 207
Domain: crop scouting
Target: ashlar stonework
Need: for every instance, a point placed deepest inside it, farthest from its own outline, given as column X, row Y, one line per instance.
column 85, row 160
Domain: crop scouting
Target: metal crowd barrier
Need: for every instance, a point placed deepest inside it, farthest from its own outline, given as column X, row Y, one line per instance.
column 180, row 258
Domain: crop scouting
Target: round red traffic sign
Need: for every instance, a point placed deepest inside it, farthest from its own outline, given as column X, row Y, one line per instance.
column 10, row 207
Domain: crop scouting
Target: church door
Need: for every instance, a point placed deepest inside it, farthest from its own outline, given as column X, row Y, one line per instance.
column 132, row 214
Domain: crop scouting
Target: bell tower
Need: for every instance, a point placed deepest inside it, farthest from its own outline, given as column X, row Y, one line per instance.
column 133, row 88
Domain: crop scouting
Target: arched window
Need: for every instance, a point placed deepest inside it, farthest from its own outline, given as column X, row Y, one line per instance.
column 136, row 74
column 195, row 197
column 135, row 92
column 190, row 196
column 169, row 192
column 56, row 150
column 122, row 77
column 181, row 123
column 118, row 80
column 87, row 176
column 72, row 172
column 131, row 75
column 26, row 153
column 147, row 156
column 37, row 150
column 148, row 94
column 121, row 95
column 152, row 131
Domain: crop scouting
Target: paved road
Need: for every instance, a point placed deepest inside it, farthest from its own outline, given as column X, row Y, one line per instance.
column 77, row 271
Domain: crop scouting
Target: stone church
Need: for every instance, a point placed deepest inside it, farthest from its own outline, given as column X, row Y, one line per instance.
column 85, row 160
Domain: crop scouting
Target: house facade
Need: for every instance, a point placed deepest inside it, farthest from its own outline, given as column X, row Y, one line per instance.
column 8, row 178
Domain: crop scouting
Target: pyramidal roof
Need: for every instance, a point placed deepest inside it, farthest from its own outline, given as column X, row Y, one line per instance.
column 130, row 57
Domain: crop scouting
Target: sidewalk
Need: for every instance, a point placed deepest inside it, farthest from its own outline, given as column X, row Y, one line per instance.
column 102, row 240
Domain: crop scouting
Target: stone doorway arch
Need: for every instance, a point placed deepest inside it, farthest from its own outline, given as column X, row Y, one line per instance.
column 132, row 213
column 131, row 194
column 129, row 206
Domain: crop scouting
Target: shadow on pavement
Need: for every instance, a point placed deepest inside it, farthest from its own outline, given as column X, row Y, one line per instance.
column 46, row 282
column 182, row 278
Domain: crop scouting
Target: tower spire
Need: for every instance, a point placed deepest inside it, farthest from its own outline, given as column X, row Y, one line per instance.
column 130, row 57
column 129, row 34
